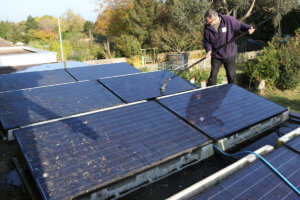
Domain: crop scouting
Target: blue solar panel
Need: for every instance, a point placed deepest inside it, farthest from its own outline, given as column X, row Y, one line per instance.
column 76, row 155
column 10, row 82
column 29, row 106
column 101, row 71
column 259, row 182
column 223, row 110
column 294, row 144
column 143, row 86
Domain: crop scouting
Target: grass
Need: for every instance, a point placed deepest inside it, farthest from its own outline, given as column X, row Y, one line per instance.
column 288, row 99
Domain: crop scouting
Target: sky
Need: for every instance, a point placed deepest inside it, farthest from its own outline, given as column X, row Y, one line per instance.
column 19, row 10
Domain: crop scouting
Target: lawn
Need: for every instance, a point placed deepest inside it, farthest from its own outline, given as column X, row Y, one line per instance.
column 289, row 99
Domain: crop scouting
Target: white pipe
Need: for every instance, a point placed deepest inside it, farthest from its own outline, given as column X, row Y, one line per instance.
column 61, row 46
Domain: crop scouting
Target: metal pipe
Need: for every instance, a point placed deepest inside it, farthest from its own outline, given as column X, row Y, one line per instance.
column 61, row 46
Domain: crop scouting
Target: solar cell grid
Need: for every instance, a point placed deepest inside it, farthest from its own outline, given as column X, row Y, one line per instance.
column 259, row 182
column 10, row 82
column 294, row 144
column 143, row 86
column 223, row 110
column 22, row 107
column 100, row 71
column 88, row 152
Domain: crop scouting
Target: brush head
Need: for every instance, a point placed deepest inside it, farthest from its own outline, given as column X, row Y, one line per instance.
column 163, row 87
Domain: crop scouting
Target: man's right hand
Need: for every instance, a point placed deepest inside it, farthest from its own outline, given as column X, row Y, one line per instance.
column 208, row 54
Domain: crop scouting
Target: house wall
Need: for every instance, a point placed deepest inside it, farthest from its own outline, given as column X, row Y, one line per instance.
column 36, row 56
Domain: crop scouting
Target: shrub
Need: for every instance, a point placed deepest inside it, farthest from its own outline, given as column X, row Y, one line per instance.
column 289, row 66
column 85, row 50
column 265, row 66
column 279, row 68
column 199, row 75
column 39, row 44
column 67, row 49
column 135, row 61
column 128, row 45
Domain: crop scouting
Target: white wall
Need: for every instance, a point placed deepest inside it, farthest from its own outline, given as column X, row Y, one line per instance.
column 37, row 56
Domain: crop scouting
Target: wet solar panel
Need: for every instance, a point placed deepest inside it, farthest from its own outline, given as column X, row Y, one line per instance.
column 259, row 182
column 22, row 107
column 101, row 71
column 18, row 81
column 294, row 144
column 77, row 155
column 143, row 86
column 223, row 110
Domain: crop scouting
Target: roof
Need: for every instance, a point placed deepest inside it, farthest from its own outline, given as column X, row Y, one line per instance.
column 5, row 43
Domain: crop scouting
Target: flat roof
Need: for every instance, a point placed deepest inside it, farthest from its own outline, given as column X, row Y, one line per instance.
column 5, row 43
column 14, row 51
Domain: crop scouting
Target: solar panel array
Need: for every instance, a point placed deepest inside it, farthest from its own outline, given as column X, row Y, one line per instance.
column 77, row 155
column 24, row 107
column 101, row 71
column 145, row 85
column 222, row 111
column 294, row 144
column 73, row 156
column 259, row 182
column 10, row 82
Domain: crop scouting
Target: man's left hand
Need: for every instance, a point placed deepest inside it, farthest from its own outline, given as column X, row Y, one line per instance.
column 251, row 30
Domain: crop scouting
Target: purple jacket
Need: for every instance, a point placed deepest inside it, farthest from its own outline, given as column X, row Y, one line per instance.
column 213, row 39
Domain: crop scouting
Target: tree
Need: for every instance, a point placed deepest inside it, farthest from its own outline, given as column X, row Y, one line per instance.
column 187, row 14
column 72, row 22
column 280, row 6
column 175, row 40
column 182, row 27
column 4, row 29
column 143, row 20
column 48, row 23
column 128, row 45
column 241, row 9
column 89, row 28
column 31, row 24
column 45, row 35
column 112, row 20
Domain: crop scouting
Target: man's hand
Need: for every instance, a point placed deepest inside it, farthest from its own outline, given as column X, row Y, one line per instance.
column 208, row 54
column 251, row 30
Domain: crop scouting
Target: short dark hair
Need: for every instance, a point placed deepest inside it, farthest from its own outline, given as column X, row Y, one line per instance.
column 211, row 13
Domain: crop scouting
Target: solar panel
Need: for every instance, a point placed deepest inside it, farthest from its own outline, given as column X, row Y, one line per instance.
column 51, row 66
column 101, row 71
column 143, row 86
column 223, row 110
column 29, row 106
column 76, row 155
column 17, row 81
column 259, row 182
column 294, row 144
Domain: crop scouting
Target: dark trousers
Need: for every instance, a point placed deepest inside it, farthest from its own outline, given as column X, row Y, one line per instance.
column 229, row 64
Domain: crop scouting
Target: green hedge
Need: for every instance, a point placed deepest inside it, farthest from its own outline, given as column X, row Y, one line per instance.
column 279, row 67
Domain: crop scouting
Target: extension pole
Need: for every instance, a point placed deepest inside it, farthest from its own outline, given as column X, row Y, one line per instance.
column 61, row 46
column 163, row 87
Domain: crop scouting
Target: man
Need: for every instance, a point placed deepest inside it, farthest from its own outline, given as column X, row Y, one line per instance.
column 219, row 30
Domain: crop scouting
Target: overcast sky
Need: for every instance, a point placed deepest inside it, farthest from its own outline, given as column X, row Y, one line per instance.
column 19, row 10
